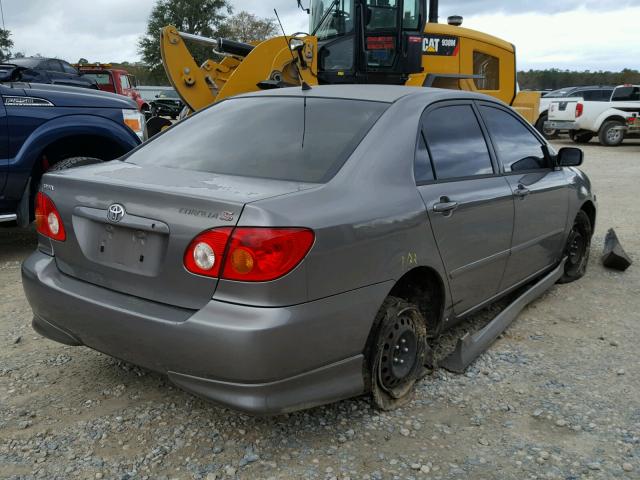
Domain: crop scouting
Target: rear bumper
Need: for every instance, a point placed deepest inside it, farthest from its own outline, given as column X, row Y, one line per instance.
column 259, row 360
column 561, row 125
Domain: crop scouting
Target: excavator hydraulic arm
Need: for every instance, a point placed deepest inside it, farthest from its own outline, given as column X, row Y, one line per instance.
column 273, row 63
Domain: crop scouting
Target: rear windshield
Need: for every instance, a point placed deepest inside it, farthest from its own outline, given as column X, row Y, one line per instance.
column 285, row 138
column 25, row 62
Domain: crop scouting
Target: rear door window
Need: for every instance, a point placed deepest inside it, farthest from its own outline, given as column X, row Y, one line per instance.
column 423, row 169
column 591, row 95
column 456, row 142
column 53, row 65
column 605, row 95
column 517, row 148
column 285, row 138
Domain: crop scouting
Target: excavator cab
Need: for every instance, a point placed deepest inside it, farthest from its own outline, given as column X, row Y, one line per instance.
column 368, row 41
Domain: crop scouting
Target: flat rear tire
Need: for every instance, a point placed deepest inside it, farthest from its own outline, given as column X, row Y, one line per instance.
column 396, row 353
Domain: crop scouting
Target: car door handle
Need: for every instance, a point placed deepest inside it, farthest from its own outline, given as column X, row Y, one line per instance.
column 445, row 206
column 522, row 191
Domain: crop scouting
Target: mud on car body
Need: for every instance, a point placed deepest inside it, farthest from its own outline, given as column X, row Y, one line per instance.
column 337, row 232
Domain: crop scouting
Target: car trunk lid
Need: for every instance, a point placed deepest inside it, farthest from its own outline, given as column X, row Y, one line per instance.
column 128, row 226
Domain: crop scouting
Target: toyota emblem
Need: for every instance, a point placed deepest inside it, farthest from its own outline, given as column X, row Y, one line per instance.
column 115, row 213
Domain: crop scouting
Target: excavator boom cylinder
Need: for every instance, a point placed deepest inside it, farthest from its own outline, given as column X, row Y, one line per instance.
column 234, row 48
column 221, row 45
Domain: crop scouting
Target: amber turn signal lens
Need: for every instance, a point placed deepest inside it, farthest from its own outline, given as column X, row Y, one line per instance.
column 242, row 261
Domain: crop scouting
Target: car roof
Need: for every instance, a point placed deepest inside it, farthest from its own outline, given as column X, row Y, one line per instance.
column 28, row 62
column 378, row 93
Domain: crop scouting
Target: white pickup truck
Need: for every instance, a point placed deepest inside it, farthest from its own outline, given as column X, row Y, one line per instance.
column 610, row 121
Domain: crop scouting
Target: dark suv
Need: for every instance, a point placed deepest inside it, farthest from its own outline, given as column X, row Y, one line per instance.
column 51, row 70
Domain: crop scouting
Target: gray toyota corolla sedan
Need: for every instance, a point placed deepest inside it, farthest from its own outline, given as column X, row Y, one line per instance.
column 290, row 248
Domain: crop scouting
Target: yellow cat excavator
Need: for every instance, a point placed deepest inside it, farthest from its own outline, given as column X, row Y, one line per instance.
column 352, row 41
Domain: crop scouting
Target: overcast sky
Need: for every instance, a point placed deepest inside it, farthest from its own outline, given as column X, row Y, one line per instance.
column 573, row 34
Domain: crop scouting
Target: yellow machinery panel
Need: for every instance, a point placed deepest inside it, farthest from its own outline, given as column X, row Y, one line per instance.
column 453, row 57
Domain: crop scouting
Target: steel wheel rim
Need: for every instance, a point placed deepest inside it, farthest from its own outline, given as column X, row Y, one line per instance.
column 399, row 356
column 577, row 247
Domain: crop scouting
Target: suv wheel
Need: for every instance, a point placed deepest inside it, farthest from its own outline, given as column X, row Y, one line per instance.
column 546, row 132
column 396, row 353
column 72, row 162
column 610, row 134
column 577, row 248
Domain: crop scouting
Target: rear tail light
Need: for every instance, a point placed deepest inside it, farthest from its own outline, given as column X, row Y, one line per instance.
column 263, row 254
column 205, row 253
column 631, row 120
column 253, row 254
column 48, row 221
column 579, row 109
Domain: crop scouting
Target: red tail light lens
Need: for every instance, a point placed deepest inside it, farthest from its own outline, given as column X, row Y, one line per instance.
column 264, row 254
column 249, row 254
column 48, row 221
column 579, row 109
column 205, row 253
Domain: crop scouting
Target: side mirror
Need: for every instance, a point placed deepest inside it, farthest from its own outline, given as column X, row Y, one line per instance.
column 570, row 157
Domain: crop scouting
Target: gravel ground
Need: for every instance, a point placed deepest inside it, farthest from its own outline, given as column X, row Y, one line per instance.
column 557, row 396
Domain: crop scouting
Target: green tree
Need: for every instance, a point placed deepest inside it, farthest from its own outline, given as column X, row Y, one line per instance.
column 199, row 17
column 5, row 44
column 247, row 27
column 553, row 79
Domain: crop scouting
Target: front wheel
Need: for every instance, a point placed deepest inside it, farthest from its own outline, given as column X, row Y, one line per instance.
column 396, row 353
column 611, row 133
column 577, row 249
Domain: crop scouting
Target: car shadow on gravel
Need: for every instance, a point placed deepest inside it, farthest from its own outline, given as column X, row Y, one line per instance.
column 16, row 243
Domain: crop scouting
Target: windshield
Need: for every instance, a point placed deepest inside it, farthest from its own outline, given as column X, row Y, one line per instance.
column 100, row 78
column 284, row 138
column 331, row 18
column 172, row 94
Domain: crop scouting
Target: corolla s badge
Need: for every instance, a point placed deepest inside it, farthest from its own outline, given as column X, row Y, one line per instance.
column 115, row 213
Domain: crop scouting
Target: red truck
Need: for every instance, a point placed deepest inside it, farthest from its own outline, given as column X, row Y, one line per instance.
column 114, row 80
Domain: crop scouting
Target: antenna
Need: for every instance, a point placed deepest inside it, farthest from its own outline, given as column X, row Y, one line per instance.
column 2, row 11
column 305, row 85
